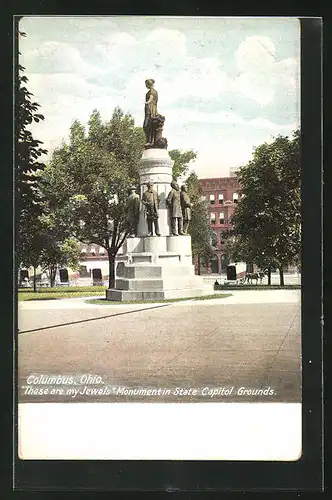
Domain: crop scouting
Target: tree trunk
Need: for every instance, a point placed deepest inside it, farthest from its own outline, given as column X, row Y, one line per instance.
column 281, row 272
column 198, row 265
column 34, row 279
column 111, row 270
column 269, row 275
column 52, row 275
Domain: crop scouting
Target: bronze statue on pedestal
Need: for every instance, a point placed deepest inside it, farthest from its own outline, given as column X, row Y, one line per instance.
column 186, row 207
column 151, row 200
column 174, row 204
column 133, row 205
column 153, row 122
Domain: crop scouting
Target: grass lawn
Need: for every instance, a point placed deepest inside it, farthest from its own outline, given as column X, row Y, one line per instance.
column 105, row 302
column 257, row 287
column 59, row 292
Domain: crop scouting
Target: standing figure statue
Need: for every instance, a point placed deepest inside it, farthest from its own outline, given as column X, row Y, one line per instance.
column 150, row 200
column 174, row 204
column 133, row 205
column 186, row 207
column 153, row 122
column 151, row 111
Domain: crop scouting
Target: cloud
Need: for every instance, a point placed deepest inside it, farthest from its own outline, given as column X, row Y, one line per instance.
column 221, row 99
column 260, row 71
column 127, row 54
column 192, row 116
column 166, row 41
column 52, row 85
column 58, row 57
column 255, row 52
column 69, row 96
column 163, row 54
column 122, row 39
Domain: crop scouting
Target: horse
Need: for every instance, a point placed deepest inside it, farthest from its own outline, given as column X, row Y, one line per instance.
column 252, row 276
column 260, row 275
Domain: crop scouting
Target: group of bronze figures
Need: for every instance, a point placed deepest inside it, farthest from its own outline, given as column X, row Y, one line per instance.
column 178, row 203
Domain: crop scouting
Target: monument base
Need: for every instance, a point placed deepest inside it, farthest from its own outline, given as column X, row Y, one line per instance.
column 157, row 268
column 130, row 295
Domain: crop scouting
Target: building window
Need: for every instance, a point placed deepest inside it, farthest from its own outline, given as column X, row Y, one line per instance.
column 221, row 218
column 203, row 197
column 212, row 218
column 235, row 198
column 101, row 251
column 83, row 251
column 212, row 199
column 221, row 199
column 93, row 251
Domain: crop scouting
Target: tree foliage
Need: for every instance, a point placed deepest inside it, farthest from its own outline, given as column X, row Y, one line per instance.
column 88, row 180
column 50, row 244
column 236, row 249
column 28, row 151
column 182, row 161
column 199, row 229
column 268, row 219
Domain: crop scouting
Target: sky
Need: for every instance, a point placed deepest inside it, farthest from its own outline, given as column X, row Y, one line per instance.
column 225, row 85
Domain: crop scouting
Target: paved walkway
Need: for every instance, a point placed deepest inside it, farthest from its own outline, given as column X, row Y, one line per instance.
column 250, row 340
column 237, row 297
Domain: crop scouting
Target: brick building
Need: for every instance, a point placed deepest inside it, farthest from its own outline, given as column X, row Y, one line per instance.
column 222, row 195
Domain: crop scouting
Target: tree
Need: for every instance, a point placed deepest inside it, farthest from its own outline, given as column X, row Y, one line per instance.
column 239, row 249
column 268, row 218
column 88, row 179
column 199, row 229
column 181, row 162
column 31, row 247
column 60, row 254
column 50, row 245
column 236, row 249
column 27, row 154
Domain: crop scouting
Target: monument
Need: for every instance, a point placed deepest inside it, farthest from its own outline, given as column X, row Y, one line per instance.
column 157, row 258
column 173, row 201
column 186, row 207
column 133, row 206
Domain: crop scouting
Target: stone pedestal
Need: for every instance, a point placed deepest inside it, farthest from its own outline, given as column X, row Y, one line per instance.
column 156, row 267
column 179, row 244
column 163, row 270
column 154, row 244
column 133, row 245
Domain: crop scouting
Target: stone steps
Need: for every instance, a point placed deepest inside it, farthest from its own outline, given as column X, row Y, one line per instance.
column 147, row 272
column 122, row 295
column 165, row 283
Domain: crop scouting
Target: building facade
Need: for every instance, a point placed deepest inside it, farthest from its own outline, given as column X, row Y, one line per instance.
column 93, row 257
column 222, row 195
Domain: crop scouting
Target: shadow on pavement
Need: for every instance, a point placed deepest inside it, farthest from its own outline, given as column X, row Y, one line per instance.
column 91, row 319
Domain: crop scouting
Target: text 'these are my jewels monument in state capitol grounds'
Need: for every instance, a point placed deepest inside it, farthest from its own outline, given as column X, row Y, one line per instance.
column 157, row 259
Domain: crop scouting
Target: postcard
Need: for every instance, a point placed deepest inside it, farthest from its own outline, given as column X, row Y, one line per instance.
column 159, row 238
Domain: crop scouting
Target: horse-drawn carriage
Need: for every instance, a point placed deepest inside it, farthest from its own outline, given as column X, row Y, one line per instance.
column 236, row 273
